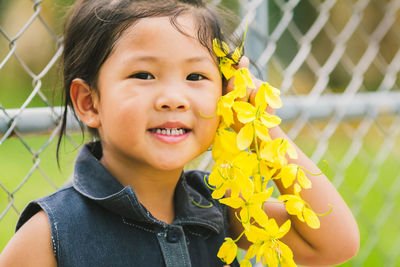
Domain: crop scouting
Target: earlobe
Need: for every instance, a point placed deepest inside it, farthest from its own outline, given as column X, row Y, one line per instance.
column 85, row 102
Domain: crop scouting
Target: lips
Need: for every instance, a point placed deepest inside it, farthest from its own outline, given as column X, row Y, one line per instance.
column 170, row 128
column 170, row 132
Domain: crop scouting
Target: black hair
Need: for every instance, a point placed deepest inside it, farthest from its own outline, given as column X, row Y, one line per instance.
column 94, row 26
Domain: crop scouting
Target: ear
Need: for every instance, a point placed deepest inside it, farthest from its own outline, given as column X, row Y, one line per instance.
column 85, row 102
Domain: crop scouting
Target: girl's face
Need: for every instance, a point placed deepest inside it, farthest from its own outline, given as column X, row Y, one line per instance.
column 152, row 90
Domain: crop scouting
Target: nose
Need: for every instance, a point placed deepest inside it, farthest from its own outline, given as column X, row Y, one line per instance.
column 172, row 99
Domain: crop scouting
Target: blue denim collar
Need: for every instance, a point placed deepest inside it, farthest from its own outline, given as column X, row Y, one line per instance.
column 193, row 203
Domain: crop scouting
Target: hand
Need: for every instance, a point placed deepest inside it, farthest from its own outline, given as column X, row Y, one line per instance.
column 251, row 93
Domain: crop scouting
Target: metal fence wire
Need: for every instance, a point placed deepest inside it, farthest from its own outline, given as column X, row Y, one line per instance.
column 336, row 62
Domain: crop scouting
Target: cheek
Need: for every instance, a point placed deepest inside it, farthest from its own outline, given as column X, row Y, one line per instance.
column 122, row 122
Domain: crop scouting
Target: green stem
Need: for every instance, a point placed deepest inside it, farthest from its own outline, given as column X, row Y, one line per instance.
column 208, row 117
column 316, row 174
column 210, row 205
column 240, row 236
column 257, row 153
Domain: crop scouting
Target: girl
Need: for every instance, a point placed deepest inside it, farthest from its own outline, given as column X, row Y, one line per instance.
column 139, row 73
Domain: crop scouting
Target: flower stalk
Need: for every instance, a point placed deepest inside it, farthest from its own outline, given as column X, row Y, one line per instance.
column 247, row 159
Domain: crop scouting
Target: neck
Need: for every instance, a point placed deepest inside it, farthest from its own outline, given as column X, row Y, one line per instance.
column 154, row 188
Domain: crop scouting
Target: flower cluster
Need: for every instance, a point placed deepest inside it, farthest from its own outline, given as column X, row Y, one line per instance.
column 246, row 159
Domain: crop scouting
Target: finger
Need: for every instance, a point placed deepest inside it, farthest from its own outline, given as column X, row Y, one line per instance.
column 244, row 62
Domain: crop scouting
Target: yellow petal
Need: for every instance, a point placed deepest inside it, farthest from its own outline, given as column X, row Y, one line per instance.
column 296, row 189
column 247, row 76
column 228, row 141
column 272, row 97
column 219, row 192
column 294, row 207
column 269, row 150
column 245, row 136
column 286, row 197
column 262, row 131
column 245, row 111
column 246, row 162
column 259, row 215
column 260, row 98
column 303, row 180
column 218, row 50
column 291, row 150
column 240, row 80
column 270, row 120
column 245, row 263
column 272, row 257
column 228, row 250
column 288, row 174
column 226, row 113
column 272, row 227
column 234, row 202
column 261, row 197
column 311, row 218
column 251, row 252
column 246, row 186
column 236, row 55
column 244, row 215
column 215, row 179
column 225, row 65
column 284, row 229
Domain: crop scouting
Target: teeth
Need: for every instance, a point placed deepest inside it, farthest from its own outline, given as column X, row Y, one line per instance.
column 169, row 131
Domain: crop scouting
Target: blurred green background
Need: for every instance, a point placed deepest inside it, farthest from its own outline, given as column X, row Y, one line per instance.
column 375, row 204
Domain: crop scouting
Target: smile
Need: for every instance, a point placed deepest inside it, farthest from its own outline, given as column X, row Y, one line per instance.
column 169, row 131
column 170, row 135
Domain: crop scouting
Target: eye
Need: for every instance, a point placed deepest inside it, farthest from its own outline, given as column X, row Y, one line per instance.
column 195, row 77
column 142, row 76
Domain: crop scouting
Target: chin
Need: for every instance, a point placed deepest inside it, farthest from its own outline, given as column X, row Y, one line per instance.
column 169, row 165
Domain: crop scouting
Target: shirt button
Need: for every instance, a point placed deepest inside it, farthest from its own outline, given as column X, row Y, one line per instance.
column 173, row 235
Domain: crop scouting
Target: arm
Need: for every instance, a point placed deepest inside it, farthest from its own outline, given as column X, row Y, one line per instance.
column 31, row 245
column 336, row 241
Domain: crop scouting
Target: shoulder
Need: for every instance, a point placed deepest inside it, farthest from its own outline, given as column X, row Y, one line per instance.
column 31, row 245
column 49, row 204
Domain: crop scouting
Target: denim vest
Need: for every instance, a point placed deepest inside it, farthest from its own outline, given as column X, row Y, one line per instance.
column 95, row 221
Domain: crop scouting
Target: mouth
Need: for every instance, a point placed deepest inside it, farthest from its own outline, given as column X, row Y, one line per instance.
column 170, row 131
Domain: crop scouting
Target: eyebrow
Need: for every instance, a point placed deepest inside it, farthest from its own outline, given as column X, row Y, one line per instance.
column 155, row 59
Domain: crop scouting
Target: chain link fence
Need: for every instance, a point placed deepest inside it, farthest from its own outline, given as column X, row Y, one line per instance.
column 337, row 63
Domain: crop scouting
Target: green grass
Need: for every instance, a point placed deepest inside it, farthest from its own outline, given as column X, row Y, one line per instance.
column 15, row 164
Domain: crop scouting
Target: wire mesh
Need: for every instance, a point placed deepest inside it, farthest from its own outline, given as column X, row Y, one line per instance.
column 337, row 63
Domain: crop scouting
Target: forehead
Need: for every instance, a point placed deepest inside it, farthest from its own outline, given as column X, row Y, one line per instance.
column 158, row 34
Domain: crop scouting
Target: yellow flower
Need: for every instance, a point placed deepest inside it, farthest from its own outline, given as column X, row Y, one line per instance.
column 224, row 145
column 271, row 95
column 292, row 171
column 245, row 263
column 226, row 67
column 221, row 50
column 251, row 207
column 241, row 82
column 233, row 175
column 228, row 250
column 254, row 122
column 224, row 108
column 274, row 152
column 295, row 205
column 266, row 245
